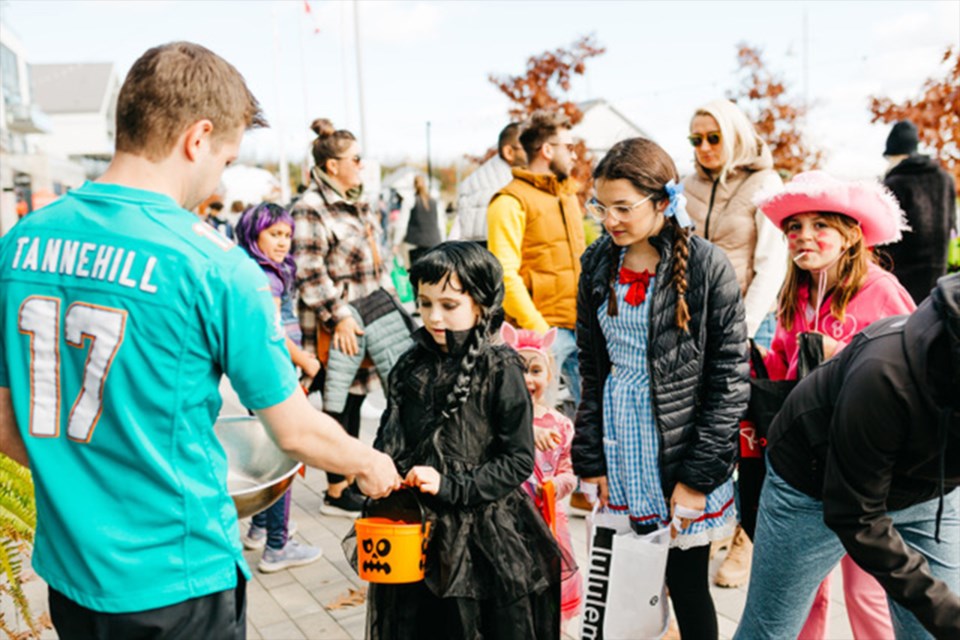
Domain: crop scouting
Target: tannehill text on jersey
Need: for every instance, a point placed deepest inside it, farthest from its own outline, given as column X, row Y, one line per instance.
column 85, row 260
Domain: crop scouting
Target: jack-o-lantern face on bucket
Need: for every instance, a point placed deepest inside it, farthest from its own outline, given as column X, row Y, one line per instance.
column 377, row 551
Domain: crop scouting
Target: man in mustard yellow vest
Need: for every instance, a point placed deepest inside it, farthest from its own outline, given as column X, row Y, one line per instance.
column 535, row 229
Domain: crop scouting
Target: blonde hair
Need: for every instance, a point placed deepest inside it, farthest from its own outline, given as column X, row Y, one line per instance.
column 740, row 141
column 420, row 186
column 851, row 273
column 550, row 394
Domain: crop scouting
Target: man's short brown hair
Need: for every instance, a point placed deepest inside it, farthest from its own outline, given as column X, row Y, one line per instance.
column 541, row 126
column 174, row 85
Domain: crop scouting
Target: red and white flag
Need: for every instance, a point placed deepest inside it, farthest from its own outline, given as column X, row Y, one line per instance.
column 313, row 16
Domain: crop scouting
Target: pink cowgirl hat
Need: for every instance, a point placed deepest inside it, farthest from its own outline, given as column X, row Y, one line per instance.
column 528, row 339
column 869, row 203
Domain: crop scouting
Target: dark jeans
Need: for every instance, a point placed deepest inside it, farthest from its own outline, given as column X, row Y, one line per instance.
column 349, row 419
column 275, row 519
column 218, row 616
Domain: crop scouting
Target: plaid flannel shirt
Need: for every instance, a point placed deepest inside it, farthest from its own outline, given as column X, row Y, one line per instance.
column 333, row 244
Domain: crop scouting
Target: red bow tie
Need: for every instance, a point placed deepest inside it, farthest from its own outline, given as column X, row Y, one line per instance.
column 638, row 281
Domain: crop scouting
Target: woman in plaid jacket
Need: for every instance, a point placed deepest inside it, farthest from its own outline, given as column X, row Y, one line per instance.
column 335, row 248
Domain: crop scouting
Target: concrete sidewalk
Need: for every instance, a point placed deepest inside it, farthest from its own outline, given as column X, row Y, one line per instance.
column 292, row 604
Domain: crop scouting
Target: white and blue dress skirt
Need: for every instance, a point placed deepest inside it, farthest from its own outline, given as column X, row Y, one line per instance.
column 631, row 442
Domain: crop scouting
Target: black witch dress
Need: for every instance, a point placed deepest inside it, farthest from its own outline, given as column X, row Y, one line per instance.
column 493, row 568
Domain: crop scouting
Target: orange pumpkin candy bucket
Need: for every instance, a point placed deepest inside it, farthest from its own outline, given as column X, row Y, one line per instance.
column 392, row 537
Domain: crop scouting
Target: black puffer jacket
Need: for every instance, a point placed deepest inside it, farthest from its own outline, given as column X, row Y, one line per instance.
column 699, row 380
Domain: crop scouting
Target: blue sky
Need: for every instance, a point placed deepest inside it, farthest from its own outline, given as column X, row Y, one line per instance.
column 430, row 60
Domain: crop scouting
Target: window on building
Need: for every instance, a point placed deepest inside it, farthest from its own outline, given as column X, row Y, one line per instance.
column 10, row 72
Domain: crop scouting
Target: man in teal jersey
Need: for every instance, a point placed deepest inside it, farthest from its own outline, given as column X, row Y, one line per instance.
column 119, row 312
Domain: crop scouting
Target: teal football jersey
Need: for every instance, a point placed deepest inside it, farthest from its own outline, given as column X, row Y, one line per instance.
column 120, row 312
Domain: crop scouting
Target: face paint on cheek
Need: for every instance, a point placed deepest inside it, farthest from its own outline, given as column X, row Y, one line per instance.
column 792, row 242
column 823, row 243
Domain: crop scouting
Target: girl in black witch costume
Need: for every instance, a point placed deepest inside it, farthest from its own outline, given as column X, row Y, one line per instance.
column 459, row 426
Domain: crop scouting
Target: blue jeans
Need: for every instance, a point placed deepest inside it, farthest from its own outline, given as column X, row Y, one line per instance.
column 567, row 356
column 794, row 551
column 275, row 519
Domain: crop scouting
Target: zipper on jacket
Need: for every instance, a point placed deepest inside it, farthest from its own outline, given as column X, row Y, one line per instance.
column 713, row 193
column 566, row 231
column 654, row 313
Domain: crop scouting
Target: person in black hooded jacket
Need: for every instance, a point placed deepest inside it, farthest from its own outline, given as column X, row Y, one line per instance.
column 928, row 196
column 865, row 456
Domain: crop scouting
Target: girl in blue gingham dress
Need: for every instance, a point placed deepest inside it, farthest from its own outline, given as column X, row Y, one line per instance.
column 663, row 366
column 631, row 442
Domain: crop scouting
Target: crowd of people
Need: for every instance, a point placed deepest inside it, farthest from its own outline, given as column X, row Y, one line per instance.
column 650, row 327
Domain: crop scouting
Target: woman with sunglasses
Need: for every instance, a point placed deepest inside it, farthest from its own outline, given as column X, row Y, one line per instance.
column 335, row 247
column 732, row 165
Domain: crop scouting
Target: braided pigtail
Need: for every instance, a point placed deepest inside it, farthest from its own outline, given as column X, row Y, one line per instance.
column 612, row 308
column 461, row 388
column 651, row 171
column 681, row 251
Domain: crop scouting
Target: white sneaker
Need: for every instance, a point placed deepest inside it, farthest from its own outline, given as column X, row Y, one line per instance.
column 256, row 537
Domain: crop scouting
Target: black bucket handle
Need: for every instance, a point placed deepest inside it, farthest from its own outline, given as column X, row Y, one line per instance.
column 382, row 507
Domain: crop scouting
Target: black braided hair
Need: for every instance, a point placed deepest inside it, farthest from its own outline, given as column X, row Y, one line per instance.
column 481, row 277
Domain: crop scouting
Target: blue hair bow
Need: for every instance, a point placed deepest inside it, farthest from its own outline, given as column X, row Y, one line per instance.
column 678, row 204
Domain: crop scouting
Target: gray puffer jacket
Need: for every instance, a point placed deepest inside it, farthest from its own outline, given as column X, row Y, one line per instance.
column 699, row 379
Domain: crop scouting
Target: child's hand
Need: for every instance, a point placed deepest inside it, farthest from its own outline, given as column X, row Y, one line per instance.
column 310, row 366
column 692, row 500
column 546, row 439
column 427, row 479
column 345, row 336
column 603, row 492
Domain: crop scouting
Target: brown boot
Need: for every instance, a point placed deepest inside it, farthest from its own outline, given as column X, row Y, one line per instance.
column 735, row 569
column 719, row 545
column 579, row 505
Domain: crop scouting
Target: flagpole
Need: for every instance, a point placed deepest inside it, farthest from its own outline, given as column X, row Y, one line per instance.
column 281, row 145
column 343, row 65
column 363, row 118
column 303, row 70
column 429, row 165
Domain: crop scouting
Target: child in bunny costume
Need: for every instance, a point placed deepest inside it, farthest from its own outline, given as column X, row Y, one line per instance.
column 553, row 435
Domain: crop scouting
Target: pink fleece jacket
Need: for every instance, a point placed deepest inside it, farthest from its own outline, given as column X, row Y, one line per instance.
column 881, row 296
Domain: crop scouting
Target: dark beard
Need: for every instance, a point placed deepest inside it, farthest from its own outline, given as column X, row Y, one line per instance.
column 558, row 171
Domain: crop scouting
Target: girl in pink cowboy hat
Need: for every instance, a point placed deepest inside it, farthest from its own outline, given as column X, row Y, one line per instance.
column 834, row 287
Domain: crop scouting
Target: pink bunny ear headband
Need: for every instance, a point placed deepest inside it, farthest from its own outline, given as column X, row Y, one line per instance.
column 528, row 339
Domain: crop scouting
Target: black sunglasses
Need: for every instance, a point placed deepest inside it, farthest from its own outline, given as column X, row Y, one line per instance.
column 696, row 139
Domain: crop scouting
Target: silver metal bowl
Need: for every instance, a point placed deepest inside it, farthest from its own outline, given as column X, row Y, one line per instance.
column 258, row 472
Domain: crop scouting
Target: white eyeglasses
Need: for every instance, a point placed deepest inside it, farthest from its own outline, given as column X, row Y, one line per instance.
column 620, row 212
